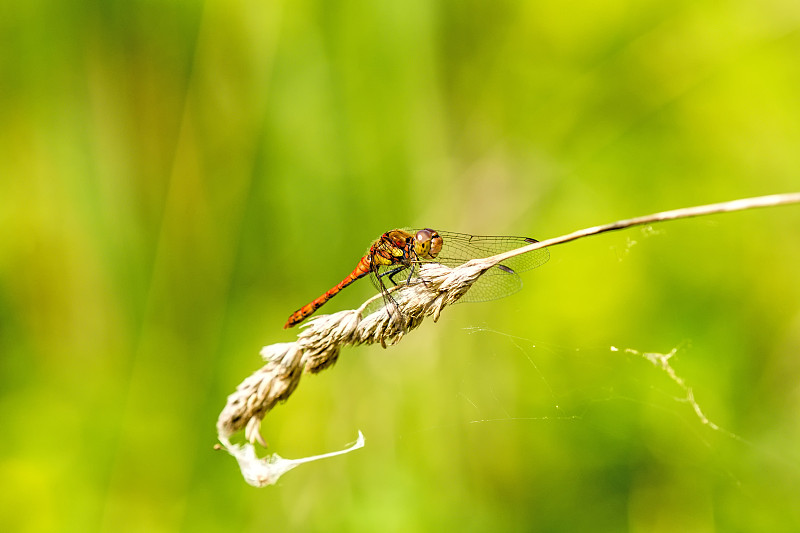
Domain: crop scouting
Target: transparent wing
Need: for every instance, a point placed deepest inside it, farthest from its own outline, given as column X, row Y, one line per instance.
column 499, row 281
column 493, row 284
column 458, row 248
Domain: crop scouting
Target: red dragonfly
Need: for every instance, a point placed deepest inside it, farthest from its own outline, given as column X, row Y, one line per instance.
column 401, row 251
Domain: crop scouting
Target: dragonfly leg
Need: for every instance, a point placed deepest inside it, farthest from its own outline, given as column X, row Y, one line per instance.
column 391, row 274
column 389, row 303
column 411, row 273
column 410, row 276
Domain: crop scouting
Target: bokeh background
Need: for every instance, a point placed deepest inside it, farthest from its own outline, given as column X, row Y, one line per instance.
column 177, row 177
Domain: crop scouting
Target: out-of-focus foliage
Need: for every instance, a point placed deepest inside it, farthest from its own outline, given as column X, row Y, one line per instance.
column 177, row 177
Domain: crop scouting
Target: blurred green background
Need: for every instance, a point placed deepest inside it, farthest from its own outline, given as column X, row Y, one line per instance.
column 177, row 177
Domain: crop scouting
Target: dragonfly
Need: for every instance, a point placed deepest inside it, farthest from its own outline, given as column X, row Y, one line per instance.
column 399, row 253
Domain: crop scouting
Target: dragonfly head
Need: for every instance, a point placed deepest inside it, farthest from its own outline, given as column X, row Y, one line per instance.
column 427, row 243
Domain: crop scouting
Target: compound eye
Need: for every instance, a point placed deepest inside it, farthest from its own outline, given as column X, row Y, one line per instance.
column 423, row 236
column 422, row 243
column 429, row 243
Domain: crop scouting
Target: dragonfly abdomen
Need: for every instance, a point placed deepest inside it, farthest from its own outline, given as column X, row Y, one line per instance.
column 362, row 269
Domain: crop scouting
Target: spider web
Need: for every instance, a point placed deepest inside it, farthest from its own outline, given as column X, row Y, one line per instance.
column 662, row 363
